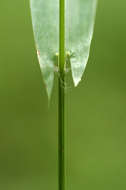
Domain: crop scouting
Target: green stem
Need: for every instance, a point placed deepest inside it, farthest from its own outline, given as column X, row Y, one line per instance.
column 61, row 107
column 61, row 135
column 62, row 35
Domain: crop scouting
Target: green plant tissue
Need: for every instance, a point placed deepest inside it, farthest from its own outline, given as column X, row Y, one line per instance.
column 45, row 20
column 80, row 16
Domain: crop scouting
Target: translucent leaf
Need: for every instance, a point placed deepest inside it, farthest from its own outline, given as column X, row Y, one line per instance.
column 80, row 15
column 45, row 19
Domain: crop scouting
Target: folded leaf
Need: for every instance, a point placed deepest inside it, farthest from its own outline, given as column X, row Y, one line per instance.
column 45, row 19
column 80, row 16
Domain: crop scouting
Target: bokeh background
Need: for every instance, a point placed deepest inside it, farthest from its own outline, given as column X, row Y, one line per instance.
column 96, row 109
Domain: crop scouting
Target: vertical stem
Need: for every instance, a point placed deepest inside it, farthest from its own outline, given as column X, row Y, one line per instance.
column 62, row 35
column 61, row 137
column 61, row 107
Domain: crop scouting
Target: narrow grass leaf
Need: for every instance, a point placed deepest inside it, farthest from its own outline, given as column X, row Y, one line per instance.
column 45, row 19
column 80, row 16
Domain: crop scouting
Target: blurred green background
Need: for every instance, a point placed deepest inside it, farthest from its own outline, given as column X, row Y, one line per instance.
column 96, row 109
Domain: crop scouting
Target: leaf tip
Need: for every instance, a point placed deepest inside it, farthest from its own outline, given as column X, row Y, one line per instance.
column 76, row 81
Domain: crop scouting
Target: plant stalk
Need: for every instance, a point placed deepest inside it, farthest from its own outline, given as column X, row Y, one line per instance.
column 61, row 103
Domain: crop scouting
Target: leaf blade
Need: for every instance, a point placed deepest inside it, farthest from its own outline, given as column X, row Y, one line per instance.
column 45, row 22
column 80, row 16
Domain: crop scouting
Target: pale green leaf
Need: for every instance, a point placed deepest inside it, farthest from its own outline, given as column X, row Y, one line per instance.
column 45, row 19
column 80, row 16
